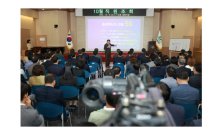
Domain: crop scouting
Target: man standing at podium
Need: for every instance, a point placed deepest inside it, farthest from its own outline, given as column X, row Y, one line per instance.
column 107, row 48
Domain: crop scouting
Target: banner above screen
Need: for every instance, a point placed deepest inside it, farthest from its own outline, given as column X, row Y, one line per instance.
column 114, row 12
column 126, row 32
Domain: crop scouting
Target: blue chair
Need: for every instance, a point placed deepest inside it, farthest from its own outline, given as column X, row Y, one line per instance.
column 192, row 73
column 81, row 81
column 46, row 71
column 35, row 87
column 57, row 81
column 121, row 65
column 93, row 69
column 200, row 93
column 71, row 92
column 30, row 76
column 165, row 75
column 61, row 62
column 94, row 63
column 61, row 65
column 48, row 109
column 87, row 61
column 157, row 79
column 87, row 74
column 191, row 111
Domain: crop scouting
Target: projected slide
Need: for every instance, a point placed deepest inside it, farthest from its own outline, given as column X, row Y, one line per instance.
column 126, row 33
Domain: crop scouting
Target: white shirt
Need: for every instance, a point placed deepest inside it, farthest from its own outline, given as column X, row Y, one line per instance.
column 109, row 109
column 22, row 104
column 29, row 46
column 187, row 66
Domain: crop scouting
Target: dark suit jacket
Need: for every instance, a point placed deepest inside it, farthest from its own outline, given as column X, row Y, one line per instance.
column 107, row 50
column 86, row 67
column 47, row 64
column 177, row 112
column 196, row 122
column 115, row 56
column 140, row 56
column 70, row 82
column 165, row 63
column 185, row 69
column 78, row 72
column 55, row 69
column 195, row 81
column 158, row 71
column 145, row 60
column 184, row 93
column 130, row 67
column 52, row 95
column 119, row 59
column 127, row 58
column 94, row 59
column 73, row 61
column 77, row 57
column 136, row 72
column 39, row 56
column 69, row 57
column 86, row 56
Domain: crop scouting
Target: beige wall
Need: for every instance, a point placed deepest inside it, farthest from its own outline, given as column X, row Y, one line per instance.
column 73, row 24
column 156, row 23
column 29, row 23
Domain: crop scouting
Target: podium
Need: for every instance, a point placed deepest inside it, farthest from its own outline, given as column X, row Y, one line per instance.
column 151, row 46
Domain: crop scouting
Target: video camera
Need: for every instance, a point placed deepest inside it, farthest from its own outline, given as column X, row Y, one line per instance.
column 140, row 103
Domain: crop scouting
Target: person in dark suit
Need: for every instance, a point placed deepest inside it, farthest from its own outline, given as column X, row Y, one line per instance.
column 86, row 67
column 156, row 53
column 115, row 56
column 158, row 70
column 94, row 58
column 146, row 59
column 130, row 66
column 107, row 48
column 181, row 55
column 29, row 116
column 181, row 64
column 70, row 80
column 196, row 80
column 177, row 112
column 80, row 54
column 55, row 68
column 47, row 62
column 119, row 58
column 84, row 54
column 142, row 55
column 38, row 53
column 128, row 56
column 74, row 59
column 78, row 71
column 136, row 66
column 117, row 72
column 165, row 61
column 69, row 56
column 52, row 95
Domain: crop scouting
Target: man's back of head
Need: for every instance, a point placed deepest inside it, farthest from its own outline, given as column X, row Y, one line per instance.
column 83, row 50
column 120, row 53
column 197, row 68
column 143, row 50
column 48, row 51
column 35, row 59
column 50, row 79
column 80, row 64
column 136, row 64
column 174, row 60
column 80, row 52
column 118, row 50
column 37, row 51
column 109, row 72
column 96, row 49
column 171, row 72
column 181, row 61
column 117, row 70
column 164, row 90
column 55, row 59
column 183, row 51
column 112, row 100
column 132, row 50
column 47, row 56
column 190, row 53
column 30, row 57
column 95, row 53
column 72, row 54
column 182, row 77
column 24, row 91
column 157, row 62
column 147, row 53
column 152, row 57
column 58, row 50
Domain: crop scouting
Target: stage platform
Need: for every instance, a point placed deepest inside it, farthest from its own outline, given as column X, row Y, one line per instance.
column 102, row 54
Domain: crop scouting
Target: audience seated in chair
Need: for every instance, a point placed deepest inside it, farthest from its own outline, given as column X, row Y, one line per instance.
column 160, row 55
column 151, row 63
column 131, row 55
column 184, row 93
column 174, row 62
column 196, row 80
column 80, row 54
column 84, row 54
column 86, row 67
column 130, row 66
column 144, row 66
column 69, row 56
column 128, row 56
column 52, row 95
column 69, row 79
column 29, row 116
column 157, row 70
column 117, row 72
column 170, row 81
column 165, row 61
column 191, row 62
column 98, row 55
column 84, row 124
column 182, row 54
column 177, row 112
column 136, row 66
column 119, row 58
column 73, row 59
column 78, row 71
column 59, row 54
column 55, row 68
column 156, row 53
column 181, row 64
column 25, row 59
column 47, row 61
column 146, row 59
column 38, row 53
column 94, row 58
column 100, row 116
column 29, row 62
column 109, row 72
column 116, row 55
column 38, row 77
column 35, row 61
column 142, row 55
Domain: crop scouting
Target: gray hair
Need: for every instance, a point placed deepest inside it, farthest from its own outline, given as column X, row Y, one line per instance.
column 182, row 61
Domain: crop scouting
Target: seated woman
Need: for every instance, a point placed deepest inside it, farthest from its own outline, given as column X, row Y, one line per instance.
column 190, row 63
column 136, row 66
column 165, row 61
column 70, row 80
column 79, row 72
column 130, row 66
column 38, row 77
column 86, row 67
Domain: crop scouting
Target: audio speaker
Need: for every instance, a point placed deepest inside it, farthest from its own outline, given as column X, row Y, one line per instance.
column 172, row 26
column 56, row 26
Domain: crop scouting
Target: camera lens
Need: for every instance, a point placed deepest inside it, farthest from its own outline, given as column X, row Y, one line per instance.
column 92, row 94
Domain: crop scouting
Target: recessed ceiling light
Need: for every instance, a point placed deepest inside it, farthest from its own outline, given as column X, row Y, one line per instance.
column 59, row 8
column 186, row 8
column 42, row 9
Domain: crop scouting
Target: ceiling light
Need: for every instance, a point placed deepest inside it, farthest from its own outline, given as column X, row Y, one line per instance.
column 186, row 8
column 42, row 9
